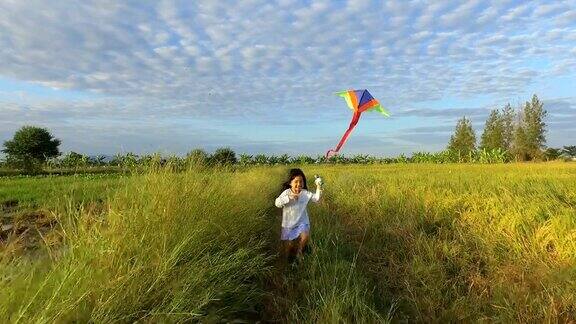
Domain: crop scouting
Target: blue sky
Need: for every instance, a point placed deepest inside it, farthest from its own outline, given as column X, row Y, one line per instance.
column 259, row 76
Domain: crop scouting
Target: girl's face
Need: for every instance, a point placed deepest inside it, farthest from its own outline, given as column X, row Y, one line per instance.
column 296, row 184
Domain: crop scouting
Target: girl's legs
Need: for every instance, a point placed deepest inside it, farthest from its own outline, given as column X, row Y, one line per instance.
column 297, row 245
column 290, row 247
column 287, row 247
column 302, row 241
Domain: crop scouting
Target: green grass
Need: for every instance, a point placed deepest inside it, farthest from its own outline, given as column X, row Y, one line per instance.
column 49, row 191
column 88, row 170
column 417, row 243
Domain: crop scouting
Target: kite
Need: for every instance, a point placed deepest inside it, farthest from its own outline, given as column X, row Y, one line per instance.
column 359, row 101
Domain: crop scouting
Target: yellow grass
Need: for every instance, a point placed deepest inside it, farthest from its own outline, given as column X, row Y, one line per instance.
column 390, row 243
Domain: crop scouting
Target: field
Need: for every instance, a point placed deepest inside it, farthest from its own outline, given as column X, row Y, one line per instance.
column 390, row 243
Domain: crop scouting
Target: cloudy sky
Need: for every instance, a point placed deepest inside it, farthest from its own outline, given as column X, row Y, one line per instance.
column 259, row 76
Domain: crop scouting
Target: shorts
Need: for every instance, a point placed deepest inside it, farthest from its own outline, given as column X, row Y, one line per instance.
column 292, row 233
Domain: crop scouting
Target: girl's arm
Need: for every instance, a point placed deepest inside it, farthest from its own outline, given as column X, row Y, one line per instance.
column 315, row 197
column 282, row 200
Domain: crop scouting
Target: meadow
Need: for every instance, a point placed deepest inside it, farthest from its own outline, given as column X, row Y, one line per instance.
column 390, row 243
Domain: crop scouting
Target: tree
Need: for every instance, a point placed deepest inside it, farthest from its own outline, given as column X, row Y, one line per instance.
column 493, row 135
column 464, row 140
column 223, row 155
column 197, row 157
column 508, row 116
column 529, row 136
column 552, row 154
column 74, row 160
column 99, row 160
column 30, row 148
column 535, row 127
column 570, row 151
column 520, row 142
column 246, row 159
column 260, row 159
column 284, row 159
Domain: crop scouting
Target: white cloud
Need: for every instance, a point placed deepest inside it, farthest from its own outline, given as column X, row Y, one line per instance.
column 549, row 9
column 518, row 12
column 567, row 18
column 219, row 59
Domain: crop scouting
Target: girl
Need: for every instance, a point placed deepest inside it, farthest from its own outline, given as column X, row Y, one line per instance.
column 293, row 201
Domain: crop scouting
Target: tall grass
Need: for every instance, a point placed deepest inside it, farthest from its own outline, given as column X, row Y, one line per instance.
column 466, row 242
column 417, row 243
column 168, row 247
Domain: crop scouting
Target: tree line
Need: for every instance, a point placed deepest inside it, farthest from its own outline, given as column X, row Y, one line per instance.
column 519, row 134
column 508, row 135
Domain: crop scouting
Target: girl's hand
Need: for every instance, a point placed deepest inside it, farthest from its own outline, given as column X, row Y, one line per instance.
column 293, row 196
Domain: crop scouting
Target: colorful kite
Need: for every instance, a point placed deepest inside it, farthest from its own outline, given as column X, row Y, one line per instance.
column 359, row 101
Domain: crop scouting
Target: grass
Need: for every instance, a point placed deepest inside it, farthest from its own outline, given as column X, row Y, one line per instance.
column 467, row 242
column 49, row 191
column 88, row 170
column 166, row 247
column 417, row 243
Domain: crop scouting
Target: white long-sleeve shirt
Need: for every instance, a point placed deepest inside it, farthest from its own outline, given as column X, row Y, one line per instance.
column 294, row 211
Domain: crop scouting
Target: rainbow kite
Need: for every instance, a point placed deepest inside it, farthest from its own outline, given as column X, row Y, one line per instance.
column 359, row 101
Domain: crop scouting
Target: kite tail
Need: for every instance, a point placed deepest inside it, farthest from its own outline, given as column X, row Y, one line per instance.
column 353, row 123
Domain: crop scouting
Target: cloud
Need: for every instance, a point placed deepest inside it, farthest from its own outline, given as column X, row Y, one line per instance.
column 275, row 62
column 429, row 129
column 444, row 113
column 425, row 142
column 561, row 107
column 544, row 10
column 177, row 47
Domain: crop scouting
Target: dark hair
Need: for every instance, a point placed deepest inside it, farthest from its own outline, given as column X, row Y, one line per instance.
column 293, row 173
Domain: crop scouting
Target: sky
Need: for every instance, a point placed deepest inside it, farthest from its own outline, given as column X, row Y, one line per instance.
column 112, row 76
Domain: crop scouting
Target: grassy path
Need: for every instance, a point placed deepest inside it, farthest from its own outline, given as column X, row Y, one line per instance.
column 328, row 286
